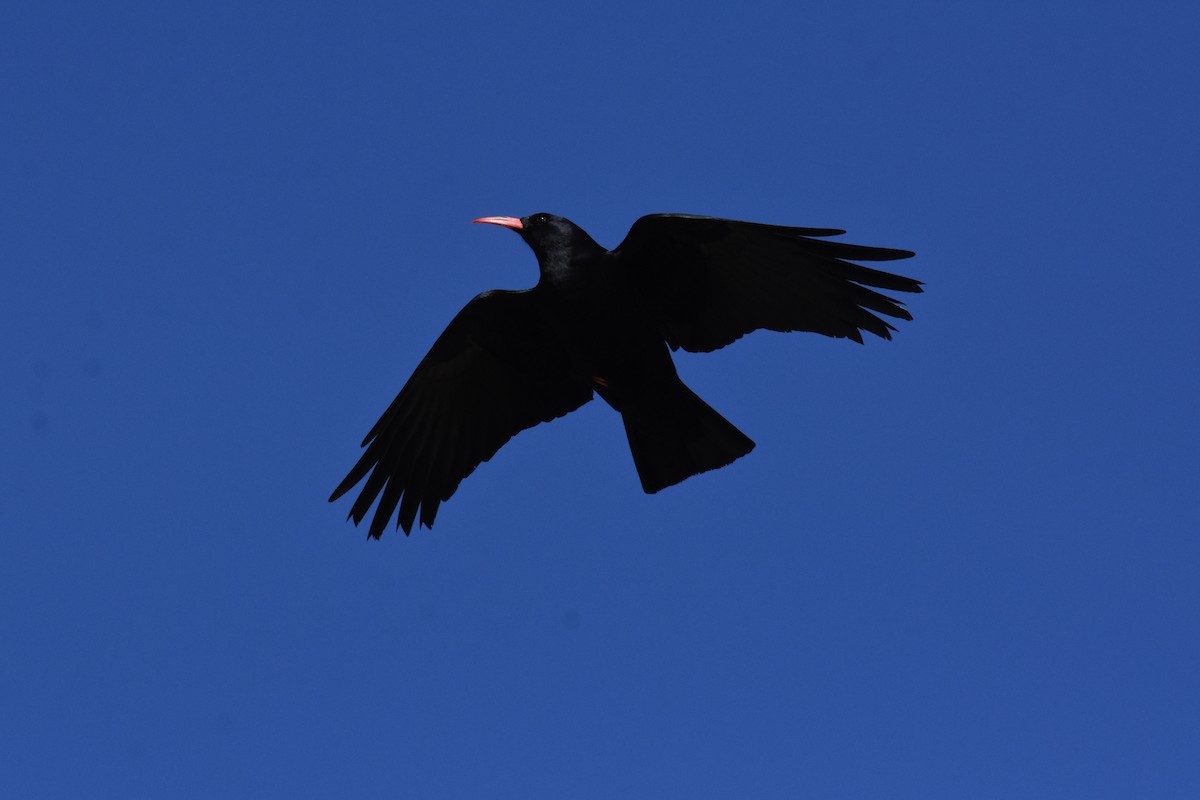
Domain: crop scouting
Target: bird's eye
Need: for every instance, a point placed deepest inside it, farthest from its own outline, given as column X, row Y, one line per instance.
column 541, row 218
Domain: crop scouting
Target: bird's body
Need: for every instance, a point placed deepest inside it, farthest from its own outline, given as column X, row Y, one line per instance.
column 605, row 322
column 604, row 326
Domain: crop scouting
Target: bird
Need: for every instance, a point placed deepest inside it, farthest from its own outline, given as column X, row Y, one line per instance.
column 605, row 322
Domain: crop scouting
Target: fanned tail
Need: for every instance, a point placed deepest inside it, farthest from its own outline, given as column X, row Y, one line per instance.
column 673, row 435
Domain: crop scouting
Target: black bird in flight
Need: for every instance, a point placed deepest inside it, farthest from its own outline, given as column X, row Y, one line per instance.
column 605, row 322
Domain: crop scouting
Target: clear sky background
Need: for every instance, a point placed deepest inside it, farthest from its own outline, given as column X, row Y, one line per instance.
column 962, row 564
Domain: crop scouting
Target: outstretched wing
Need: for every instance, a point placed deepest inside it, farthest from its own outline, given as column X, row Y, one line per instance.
column 493, row 372
column 711, row 281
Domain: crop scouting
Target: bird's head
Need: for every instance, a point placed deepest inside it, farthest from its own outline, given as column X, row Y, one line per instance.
column 553, row 239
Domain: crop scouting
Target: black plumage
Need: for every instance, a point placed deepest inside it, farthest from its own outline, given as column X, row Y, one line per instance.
column 604, row 322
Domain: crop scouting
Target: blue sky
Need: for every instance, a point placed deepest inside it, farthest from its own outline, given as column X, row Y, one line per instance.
column 960, row 564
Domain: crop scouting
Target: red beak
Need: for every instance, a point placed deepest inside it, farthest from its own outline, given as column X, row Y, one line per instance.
column 507, row 222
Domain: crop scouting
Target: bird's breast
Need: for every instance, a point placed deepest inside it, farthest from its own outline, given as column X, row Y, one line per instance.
column 608, row 333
